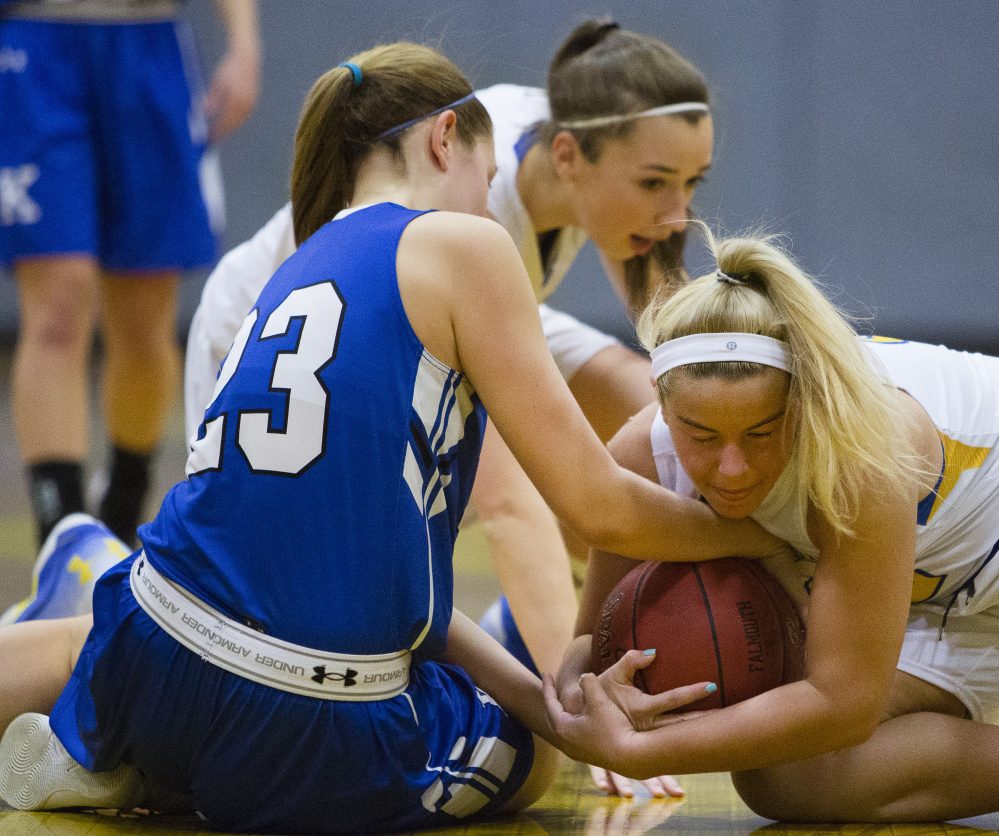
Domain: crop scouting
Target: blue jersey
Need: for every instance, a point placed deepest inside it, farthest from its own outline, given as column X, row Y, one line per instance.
column 334, row 464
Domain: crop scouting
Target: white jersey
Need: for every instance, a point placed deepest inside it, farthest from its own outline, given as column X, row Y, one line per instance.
column 515, row 111
column 227, row 298
column 957, row 535
column 242, row 273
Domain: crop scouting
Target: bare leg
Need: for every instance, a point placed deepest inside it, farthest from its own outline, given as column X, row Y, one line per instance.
column 38, row 658
column 142, row 370
column 524, row 540
column 928, row 765
column 610, row 387
column 58, row 303
column 141, row 376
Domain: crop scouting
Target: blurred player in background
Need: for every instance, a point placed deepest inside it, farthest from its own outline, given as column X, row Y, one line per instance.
column 109, row 189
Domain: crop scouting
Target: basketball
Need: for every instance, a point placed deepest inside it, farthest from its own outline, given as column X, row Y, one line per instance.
column 725, row 621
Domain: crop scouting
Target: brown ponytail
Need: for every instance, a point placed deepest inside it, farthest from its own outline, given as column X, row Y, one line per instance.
column 344, row 117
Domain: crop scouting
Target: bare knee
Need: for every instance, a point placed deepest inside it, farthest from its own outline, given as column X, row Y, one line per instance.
column 612, row 386
column 58, row 305
column 820, row 789
column 547, row 760
column 773, row 794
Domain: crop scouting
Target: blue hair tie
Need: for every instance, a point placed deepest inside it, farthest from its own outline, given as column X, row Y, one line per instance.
column 354, row 70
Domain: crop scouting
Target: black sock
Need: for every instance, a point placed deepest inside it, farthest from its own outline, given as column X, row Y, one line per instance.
column 56, row 490
column 128, row 483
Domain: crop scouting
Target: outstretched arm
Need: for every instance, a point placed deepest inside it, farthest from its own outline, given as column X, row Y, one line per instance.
column 498, row 338
column 521, row 693
column 533, row 567
column 498, row 674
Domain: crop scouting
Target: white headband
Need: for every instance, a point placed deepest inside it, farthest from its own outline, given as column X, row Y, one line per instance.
column 613, row 119
column 720, row 348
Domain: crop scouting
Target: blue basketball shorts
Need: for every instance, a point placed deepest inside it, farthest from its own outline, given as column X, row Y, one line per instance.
column 253, row 758
column 103, row 146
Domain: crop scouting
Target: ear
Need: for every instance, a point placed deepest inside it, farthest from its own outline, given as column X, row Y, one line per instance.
column 443, row 136
column 567, row 156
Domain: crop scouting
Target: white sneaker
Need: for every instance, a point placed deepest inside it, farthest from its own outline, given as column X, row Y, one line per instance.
column 75, row 554
column 37, row 773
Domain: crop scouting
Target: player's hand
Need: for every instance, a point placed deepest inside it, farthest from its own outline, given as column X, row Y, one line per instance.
column 647, row 711
column 597, row 733
column 613, row 784
column 602, row 733
column 233, row 92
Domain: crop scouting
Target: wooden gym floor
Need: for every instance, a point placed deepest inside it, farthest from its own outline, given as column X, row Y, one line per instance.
column 572, row 807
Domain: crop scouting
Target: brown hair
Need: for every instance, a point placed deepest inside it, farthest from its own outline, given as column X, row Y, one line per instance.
column 602, row 70
column 343, row 119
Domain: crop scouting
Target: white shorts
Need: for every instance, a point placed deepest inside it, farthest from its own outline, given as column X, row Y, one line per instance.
column 570, row 341
column 963, row 660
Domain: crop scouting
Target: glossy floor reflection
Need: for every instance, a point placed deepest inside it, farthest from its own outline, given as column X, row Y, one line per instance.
column 572, row 807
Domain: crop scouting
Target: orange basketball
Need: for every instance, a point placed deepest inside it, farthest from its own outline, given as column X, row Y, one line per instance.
column 725, row 621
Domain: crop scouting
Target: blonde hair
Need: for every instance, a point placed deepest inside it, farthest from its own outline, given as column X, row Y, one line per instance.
column 344, row 117
column 847, row 420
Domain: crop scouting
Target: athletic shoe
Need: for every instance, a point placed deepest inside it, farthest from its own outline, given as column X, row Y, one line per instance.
column 75, row 554
column 37, row 773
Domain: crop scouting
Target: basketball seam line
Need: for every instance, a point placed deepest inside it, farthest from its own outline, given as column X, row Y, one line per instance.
column 634, row 620
column 714, row 635
column 780, row 618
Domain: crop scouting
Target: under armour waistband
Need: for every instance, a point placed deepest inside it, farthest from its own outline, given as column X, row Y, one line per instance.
column 241, row 650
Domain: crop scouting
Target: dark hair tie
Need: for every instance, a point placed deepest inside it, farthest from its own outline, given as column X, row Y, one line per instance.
column 740, row 279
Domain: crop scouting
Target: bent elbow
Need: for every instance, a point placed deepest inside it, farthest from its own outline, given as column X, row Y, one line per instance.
column 854, row 724
column 854, row 734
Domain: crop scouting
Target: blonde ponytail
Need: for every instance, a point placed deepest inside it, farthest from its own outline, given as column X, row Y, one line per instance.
column 848, row 418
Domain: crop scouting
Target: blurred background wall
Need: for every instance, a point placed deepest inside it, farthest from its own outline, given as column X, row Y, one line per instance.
column 868, row 133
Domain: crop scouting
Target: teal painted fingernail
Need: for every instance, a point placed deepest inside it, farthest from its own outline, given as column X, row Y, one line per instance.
column 650, row 652
column 711, row 688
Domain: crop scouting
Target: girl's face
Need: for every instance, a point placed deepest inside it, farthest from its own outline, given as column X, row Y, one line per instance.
column 733, row 438
column 639, row 189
